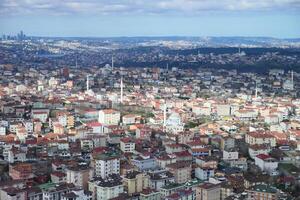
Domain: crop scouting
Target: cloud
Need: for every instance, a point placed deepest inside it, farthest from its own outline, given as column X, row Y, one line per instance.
column 69, row 7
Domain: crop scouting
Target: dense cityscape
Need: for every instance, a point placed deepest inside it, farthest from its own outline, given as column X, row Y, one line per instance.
column 148, row 119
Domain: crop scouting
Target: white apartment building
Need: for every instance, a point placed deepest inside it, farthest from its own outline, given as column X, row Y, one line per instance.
column 127, row 145
column 230, row 155
column 266, row 163
column 106, row 164
column 109, row 117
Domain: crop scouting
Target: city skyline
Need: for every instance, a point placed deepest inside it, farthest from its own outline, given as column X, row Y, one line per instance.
column 162, row 18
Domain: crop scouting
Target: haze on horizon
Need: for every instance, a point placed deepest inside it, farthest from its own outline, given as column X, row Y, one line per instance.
column 106, row 18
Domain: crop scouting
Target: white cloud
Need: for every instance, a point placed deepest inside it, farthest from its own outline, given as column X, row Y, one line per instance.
column 19, row 7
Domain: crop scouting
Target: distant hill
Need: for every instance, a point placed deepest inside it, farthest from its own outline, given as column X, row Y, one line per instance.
column 193, row 41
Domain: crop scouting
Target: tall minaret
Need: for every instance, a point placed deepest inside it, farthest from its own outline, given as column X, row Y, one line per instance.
column 112, row 62
column 256, row 91
column 76, row 64
column 121, row 98
column 87, row 83
column 165, row 115
column 292, row 79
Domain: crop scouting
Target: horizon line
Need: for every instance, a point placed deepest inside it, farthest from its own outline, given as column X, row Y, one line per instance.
column 156, row 36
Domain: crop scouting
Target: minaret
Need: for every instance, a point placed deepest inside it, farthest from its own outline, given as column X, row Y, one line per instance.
column 87, row 83
column 112, row 62
column 76, row 64
column 256, row 91
column 121, row 99
column 292, row 79
column 165, row 114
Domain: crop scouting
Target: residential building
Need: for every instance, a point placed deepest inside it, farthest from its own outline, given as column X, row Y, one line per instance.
column 127, row 145
column 109, row 117
column 262, row 192
column 208, row 191
column 106, row 188
column 106, row 164
column 136, row 182
column 181, row 171
column 79, row 175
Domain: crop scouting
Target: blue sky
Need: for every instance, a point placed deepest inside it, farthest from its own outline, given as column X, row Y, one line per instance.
column 105, row 18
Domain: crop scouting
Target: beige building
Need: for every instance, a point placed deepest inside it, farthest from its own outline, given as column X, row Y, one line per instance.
column 223, row 109
column 181, row 171
column 208, row 191
column 262, row 192
column 79, row 176
column 108, row 188
column 260, row 138
column 70, row 121
column 135, row 182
